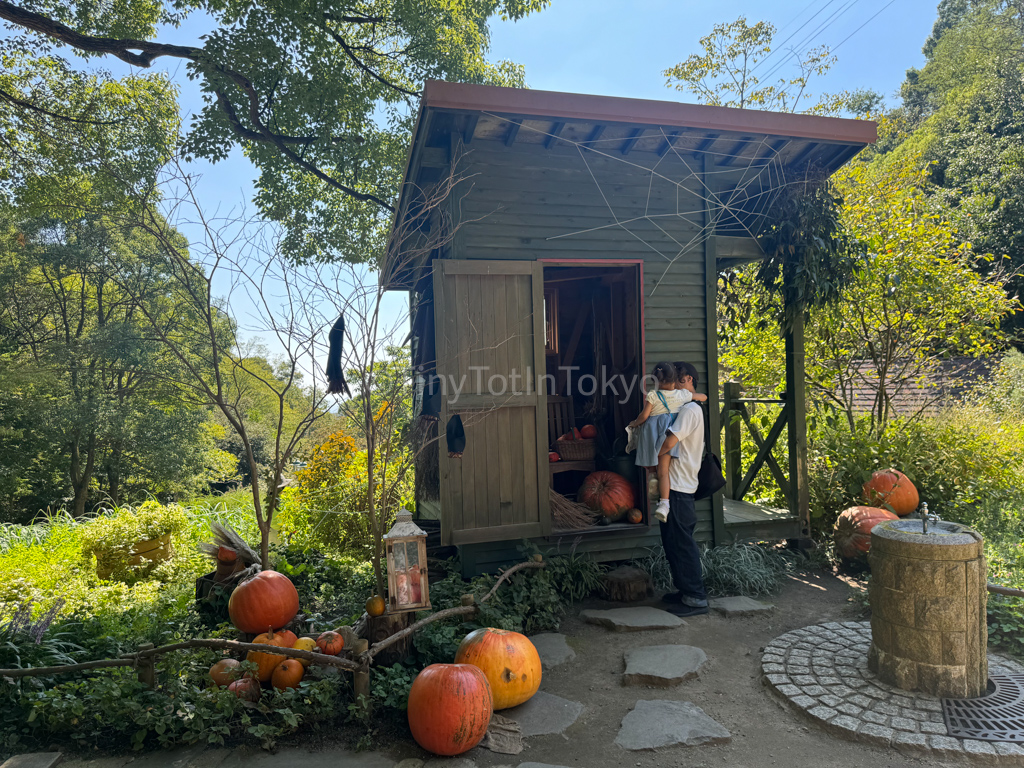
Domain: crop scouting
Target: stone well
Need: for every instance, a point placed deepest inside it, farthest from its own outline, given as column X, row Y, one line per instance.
column 928, row 597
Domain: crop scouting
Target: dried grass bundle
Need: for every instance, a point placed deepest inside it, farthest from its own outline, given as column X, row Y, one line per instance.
column 570, row 515
column 226, row 536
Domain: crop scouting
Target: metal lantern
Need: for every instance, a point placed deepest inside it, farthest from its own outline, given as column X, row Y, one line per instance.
column 406, row 548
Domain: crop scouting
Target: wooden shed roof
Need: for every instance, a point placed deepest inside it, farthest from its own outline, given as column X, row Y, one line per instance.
column 739, row 139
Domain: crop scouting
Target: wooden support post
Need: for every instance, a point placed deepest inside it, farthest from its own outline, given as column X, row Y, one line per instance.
column 733, row 449
column 711, row 348
column 361, row 678
column 147, row 667
column 796, row 406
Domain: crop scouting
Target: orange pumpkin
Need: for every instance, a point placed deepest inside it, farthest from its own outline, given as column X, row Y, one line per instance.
column 246, row 689
column 634, row 516
column 287, row 674
column 330, row 643
column 449, row 708
column 375, row 606
column 225, row 672
column 891, row 488
column 589, row 432
column 305, row 644
column 852, row 531
column 266, row 661
column 267, row 600
column 608, row 493
column 288, row 636
column 509, row 661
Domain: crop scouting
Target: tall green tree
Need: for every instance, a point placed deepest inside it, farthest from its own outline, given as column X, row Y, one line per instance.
column 319, row 96
column 74, row 335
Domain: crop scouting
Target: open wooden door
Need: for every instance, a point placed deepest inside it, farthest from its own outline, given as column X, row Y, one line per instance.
column 489, row 320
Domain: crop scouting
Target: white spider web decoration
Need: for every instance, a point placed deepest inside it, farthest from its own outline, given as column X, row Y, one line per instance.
column 740, row 210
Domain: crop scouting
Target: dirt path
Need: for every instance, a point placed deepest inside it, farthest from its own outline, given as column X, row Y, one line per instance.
column 764, row 733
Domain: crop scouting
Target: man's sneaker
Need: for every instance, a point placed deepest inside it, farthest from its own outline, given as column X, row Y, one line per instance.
column 687, row 610
column 662, row 511
column 679, row 598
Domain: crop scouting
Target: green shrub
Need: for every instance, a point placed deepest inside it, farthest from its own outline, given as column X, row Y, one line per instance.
column 112, row 709
column 967, row 465
column 112, row 536
column 332, row 591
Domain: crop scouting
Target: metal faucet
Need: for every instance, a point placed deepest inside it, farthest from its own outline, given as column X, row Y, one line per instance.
column 926, row 517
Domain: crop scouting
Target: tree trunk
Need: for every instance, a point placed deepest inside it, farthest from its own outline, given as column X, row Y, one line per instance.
column 113, row 471
column 82, row 476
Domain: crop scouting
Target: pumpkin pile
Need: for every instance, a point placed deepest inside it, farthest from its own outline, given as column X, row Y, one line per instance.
column 450, row 705
column 259, row 604
column 271, row 668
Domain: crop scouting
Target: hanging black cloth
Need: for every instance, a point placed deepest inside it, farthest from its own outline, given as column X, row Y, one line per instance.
column 432, row 398
column 456, row 436
column 336, row 383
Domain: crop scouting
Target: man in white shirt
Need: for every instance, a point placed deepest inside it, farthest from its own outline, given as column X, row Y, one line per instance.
column 681, row 549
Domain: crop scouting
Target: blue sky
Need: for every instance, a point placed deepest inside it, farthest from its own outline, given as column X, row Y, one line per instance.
column 621, row 48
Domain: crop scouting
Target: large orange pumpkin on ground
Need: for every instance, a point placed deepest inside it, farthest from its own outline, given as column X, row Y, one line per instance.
column 890, row 487
column 267, row 661
column 508, row 659
column 449, row 708
column 852, row 531
column 608, row 493
column 266, row 601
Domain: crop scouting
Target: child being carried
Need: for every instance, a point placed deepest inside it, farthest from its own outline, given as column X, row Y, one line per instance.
column 660, row 410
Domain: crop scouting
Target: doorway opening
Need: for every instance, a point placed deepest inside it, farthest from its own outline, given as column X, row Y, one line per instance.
column 594, row 359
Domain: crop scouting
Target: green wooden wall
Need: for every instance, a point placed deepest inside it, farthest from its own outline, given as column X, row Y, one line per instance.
column 526, row 202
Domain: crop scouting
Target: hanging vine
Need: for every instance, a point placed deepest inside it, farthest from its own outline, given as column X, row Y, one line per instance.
column 809, row 259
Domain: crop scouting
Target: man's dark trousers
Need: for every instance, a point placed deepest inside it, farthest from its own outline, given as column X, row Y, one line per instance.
column 680, row 548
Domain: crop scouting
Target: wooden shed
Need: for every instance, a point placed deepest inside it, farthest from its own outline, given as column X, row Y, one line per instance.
column 555, row 246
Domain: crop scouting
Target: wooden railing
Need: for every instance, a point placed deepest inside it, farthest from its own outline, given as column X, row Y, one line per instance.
column 736, row 414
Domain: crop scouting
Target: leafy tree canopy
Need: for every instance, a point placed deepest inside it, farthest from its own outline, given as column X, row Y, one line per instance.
column 737, row 64
column 319, row 96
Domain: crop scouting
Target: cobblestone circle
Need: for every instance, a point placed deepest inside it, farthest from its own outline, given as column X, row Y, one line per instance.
column 822, row 671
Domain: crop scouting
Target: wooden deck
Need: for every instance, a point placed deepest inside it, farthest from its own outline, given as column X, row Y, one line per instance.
column 745, row 521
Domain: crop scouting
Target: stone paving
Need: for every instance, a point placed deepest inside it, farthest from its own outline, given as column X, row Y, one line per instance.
column 662, row 666
column 822, row 671
column 655, row 724
column 638, row 619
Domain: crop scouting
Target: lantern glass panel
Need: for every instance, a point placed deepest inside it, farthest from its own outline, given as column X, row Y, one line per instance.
column 413, row 559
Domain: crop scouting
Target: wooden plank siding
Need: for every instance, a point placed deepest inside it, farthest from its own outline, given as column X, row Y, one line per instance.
column 527, row 203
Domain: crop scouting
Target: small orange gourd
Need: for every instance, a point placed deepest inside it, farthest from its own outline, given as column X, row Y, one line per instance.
column 266, row 661
column 225, row 672
column 330, row 643
column 287, row 674
column 375, row 606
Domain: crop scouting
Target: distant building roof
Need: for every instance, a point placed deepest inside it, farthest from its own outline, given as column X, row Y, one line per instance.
column 949, row 382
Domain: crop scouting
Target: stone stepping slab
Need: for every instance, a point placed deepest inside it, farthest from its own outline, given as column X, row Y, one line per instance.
column 35, row 760
column 663, row 665
column 636, row 619
column 544, row 714
column 734, row 607
column 553, row 649
column 655, row 724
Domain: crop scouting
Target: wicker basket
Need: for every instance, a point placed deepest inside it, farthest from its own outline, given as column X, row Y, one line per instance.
column 576, row 450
